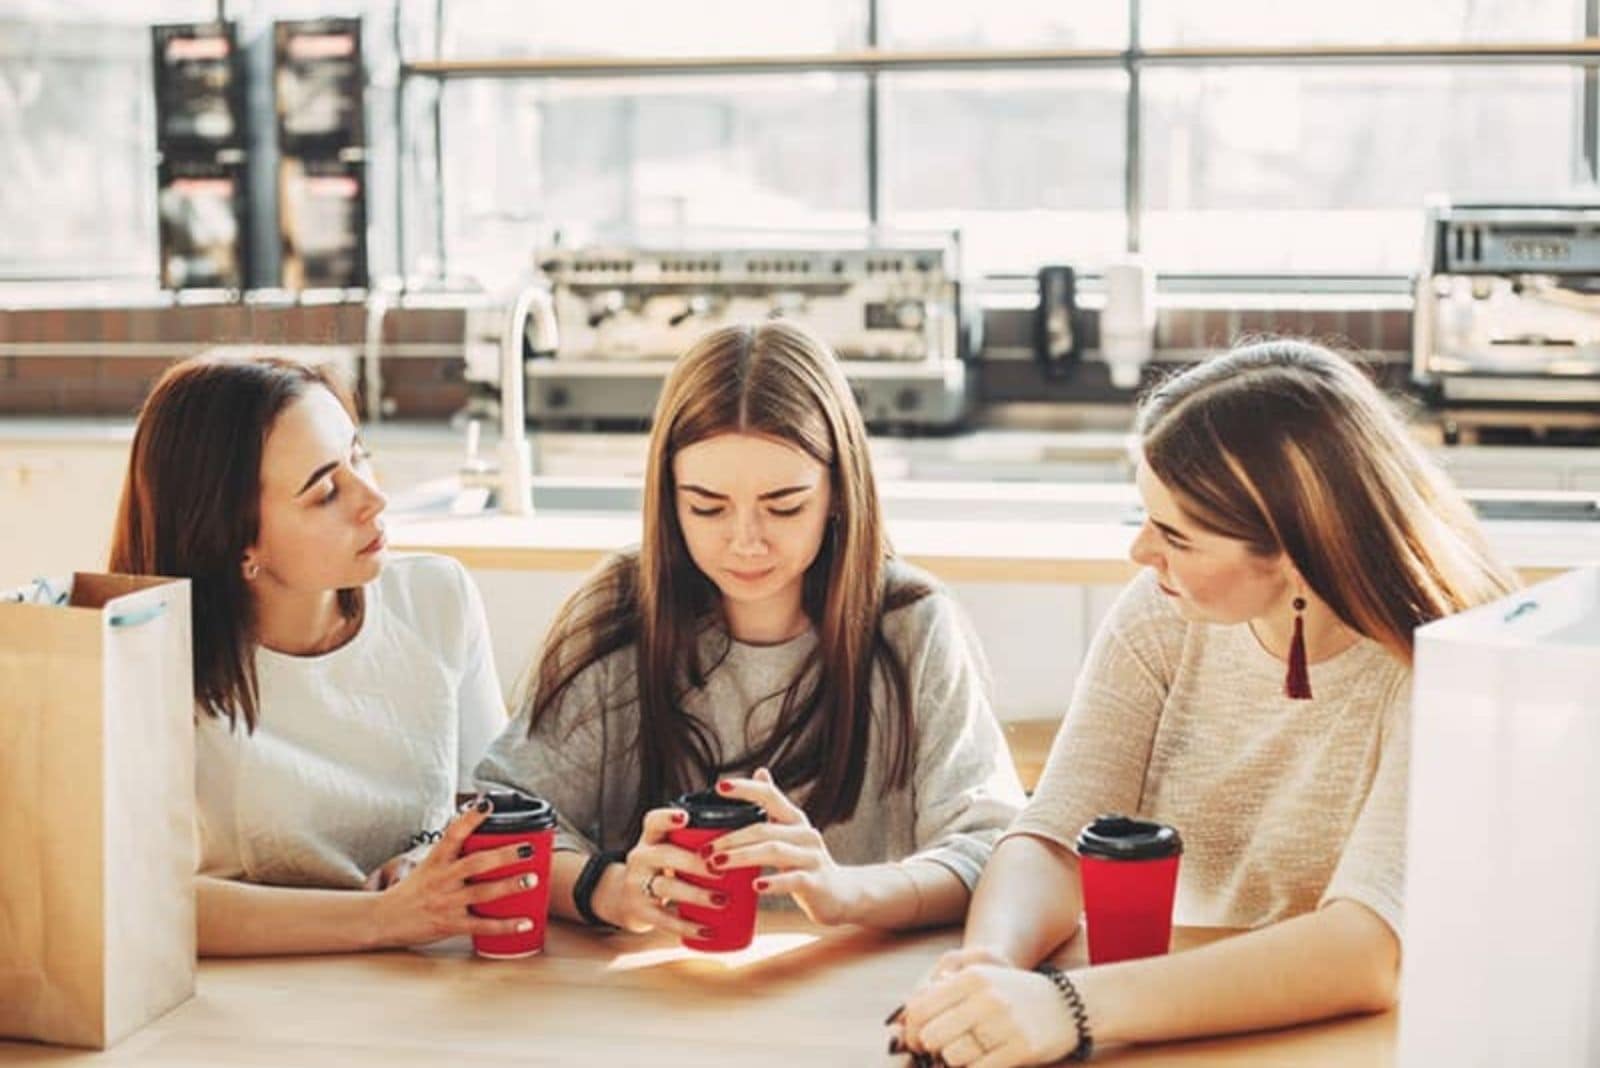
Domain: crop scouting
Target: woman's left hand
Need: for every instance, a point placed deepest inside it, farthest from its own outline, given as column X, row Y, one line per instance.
column 991, row 1017
column 788, row 843
column 396, row 868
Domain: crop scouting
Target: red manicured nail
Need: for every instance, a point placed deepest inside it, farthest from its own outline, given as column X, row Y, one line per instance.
column 761, row 885
column 724, row 787
column 707, row 850
column 719, row 860
column 719, row 900
column 679, row 817
column 707, row 933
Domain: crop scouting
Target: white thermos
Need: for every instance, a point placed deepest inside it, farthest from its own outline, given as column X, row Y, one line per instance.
column 1128, row 320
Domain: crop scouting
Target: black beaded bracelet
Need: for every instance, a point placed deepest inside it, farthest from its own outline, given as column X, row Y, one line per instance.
column 588, row 880
column 1080, row 1016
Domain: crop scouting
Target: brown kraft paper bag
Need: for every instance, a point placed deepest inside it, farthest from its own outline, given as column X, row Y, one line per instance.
column 97, row 916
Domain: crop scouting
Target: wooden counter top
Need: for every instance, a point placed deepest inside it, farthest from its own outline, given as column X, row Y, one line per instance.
column 799, row 996
column 955, row 550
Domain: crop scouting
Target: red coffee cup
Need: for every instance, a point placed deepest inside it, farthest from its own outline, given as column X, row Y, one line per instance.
column 710, row 817
column 518, row 818
column 1129, row 869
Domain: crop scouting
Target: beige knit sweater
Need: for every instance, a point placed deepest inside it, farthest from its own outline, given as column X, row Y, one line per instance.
column 1283, row 805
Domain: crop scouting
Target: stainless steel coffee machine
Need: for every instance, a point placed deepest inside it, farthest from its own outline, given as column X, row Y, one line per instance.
column 624, row 314
column 1507, row 320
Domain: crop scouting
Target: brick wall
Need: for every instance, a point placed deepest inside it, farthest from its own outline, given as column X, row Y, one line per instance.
column 102, row 361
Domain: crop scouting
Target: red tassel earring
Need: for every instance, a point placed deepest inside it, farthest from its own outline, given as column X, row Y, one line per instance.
column 1297, row 684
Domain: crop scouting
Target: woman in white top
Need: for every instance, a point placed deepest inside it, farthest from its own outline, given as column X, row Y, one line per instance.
column 1252, row 688
column 342, row 695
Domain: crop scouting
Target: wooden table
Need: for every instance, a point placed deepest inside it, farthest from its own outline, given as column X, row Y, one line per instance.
column 799, row 996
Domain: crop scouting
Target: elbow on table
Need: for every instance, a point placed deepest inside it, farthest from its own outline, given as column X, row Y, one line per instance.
column 1382, row 991
column 1378, row 989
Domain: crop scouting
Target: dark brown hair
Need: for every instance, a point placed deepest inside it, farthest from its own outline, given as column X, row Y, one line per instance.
column 1290, row 448
column 778, row 381
column 191, row 506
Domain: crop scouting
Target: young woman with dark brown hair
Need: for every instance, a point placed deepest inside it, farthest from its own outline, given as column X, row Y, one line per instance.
column 763, row 638
column 342, row 694
column 1251, row 687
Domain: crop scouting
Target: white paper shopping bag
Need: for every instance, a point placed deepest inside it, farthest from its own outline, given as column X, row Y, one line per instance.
column 1501, row 964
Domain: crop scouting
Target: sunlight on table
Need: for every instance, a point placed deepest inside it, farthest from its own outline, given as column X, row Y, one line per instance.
column 765, row 947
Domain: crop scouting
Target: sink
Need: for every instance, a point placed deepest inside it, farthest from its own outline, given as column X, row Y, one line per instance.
column 447, row 498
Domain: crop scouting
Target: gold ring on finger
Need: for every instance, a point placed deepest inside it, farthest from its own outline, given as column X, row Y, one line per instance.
column 965, row 1038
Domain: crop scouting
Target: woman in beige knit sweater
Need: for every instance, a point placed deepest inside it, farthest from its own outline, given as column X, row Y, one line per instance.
column 1252, row 689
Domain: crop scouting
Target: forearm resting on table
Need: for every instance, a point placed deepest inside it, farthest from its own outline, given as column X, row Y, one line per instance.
column 239, row 919
column 1027, row 902
column 1338, row 960
column 906, row 894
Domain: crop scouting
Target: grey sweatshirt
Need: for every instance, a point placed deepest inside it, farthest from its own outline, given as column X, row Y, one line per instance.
column 963, row 788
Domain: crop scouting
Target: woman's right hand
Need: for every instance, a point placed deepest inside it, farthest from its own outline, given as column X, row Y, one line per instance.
column 431, row 902
column 638, row 895
column 957, row 959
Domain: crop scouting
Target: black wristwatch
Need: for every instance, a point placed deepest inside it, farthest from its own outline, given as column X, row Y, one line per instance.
column 588, row 879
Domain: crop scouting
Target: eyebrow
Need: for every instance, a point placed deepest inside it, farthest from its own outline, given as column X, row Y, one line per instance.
column 770, row 495
column 1170, row 531
column 327, row 467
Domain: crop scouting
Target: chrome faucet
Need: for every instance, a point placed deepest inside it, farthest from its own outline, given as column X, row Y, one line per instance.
column 532, row 303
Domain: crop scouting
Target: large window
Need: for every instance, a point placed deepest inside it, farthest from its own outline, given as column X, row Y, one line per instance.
column 1027, row 164
column 1371, row 22
column 78, row 138
column 1294, row 169
column 1224, row 138
column 1230, row 138
column 556, row 28
column 77, row 141
column 612, row 160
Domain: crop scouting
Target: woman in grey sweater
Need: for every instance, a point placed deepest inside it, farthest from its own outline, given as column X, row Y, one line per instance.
column 1252, row 688
column 762, row 641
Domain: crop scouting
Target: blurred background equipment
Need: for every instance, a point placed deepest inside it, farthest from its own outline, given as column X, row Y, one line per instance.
column 890, row 310
column 201, row 195
column 1506, row 329
column 322, row 173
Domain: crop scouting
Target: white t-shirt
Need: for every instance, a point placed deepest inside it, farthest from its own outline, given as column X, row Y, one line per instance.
column 358, row 751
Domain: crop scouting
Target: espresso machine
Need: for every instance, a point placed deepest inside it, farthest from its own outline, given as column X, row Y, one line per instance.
column 1506, row 329
column 623, row 314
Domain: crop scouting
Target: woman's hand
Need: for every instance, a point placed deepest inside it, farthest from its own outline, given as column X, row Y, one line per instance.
column 991, row 1017
column 788, row 843
column 429, row 901
column 398, row 867
column 957, row 959
column 642, row 896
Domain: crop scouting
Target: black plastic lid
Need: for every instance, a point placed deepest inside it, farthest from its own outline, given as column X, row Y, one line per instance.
column 515, row 811
column 707, row 808
column 1117, row 837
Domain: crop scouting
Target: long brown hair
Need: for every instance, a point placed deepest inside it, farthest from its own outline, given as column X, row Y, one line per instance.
column 1290, row 448
column 191, row 506
column 778, row 381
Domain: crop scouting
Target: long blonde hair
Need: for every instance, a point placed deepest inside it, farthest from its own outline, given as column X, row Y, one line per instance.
column 1290, row 448
column 778, row 381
